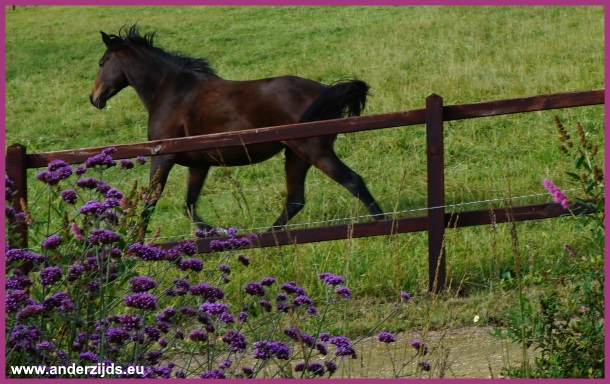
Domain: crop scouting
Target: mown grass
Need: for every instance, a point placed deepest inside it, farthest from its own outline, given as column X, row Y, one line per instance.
column 465, row 54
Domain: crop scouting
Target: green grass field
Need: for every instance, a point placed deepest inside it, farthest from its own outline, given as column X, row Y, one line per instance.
column 465, row 54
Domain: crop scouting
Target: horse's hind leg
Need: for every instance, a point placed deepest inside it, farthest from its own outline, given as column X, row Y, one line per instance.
column 296, row 171
column 334, row 168
column 319, row 152
column 196, row 179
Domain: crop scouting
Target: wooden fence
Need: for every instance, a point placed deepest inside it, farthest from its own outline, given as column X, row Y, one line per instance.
column 18, row 161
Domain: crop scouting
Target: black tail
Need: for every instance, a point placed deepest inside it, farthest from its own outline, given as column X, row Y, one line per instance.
column 339, row 100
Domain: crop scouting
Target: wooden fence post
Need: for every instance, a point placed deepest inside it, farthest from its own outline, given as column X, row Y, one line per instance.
column 16, row 170
column 436, row 193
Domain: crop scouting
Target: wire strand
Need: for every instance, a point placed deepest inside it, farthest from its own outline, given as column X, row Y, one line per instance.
column 394, row 213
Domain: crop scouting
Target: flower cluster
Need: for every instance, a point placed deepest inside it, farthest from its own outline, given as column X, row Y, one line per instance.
column 558, row 195
column 58, row 170
column 266, row 349
column 103, row 159
column 232, row 241
column 386, row 337
column 331, row 279
column 419, row 346
column 92, row 262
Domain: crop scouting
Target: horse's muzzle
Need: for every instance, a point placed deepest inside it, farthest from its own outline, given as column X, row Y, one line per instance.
column 97, row 101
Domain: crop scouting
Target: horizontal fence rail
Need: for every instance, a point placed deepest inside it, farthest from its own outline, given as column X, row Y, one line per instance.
column 18, row 161
column 320, row 128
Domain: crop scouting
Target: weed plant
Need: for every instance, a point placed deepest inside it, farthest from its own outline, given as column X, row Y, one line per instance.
column 564, row 320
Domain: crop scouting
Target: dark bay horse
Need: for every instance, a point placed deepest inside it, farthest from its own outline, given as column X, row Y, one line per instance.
column 185, row 97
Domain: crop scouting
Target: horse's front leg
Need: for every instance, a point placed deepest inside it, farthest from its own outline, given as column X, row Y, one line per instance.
column 196, row 179
column 296, row 171
column 159, row 172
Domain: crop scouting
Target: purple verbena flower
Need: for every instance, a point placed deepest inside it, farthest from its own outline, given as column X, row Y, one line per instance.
column 324, row 336
column 125, row 164
column 103, row 236
column 316, row 368
column 17, row 282
column 92, row 207
column 74, row 272
column 244, row 260
column 224, row 268
column 102, row 159
column 331, row 367
column 226, row 318
column 59, row 300
column 344, row 291
column 192, row 264
column 116, row 335
column 57, row 170
column 146, row 252
column 46, row 345
column 405, row 295
column 51, row 242
column 264, row 350
column 152, row 333
column 321, row 347
column 386, row 337
column 141, row 300
column 236, row 341
column 19, row 254
column 281, row 297
column 225, row 364
column 253, row 288
column 213, row 374
column 130, row 322
column 198, row 335
column 88, row 182
column 267, row 281
column 302, row 300
column 69, row 196
column 142, row 283
column 15, row 299
column 50, row 275
column 419, row 346
column 24, row 337
column 9, row 188
column 331, row 279
column 292, row 287
column 207, row 291
column 248, row 371
column 266, row 304
column 344, row 347
column 214, row 308
column 297, row 335
column 90, row 356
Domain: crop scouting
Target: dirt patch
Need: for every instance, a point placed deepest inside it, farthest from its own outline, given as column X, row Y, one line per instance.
column 455, row 353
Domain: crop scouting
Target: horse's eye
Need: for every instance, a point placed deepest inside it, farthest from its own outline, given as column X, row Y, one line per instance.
column 101, row 63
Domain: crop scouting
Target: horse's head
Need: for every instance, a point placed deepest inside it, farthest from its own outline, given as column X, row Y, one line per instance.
column 111, row 78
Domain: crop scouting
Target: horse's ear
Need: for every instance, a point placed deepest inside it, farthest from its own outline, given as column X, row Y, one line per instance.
column 108, row 41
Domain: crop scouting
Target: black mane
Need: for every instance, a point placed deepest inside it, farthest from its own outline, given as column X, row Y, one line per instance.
column 186, row 63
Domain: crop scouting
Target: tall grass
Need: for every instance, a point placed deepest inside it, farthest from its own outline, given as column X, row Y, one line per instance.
column 465, row 54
